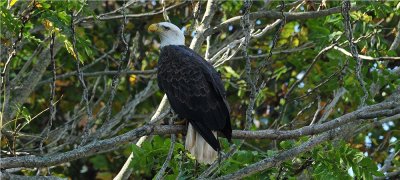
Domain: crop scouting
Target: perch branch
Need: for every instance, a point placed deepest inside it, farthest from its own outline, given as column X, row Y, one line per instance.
column 388, row 108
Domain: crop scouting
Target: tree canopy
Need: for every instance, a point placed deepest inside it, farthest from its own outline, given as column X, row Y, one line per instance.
column 313, row 88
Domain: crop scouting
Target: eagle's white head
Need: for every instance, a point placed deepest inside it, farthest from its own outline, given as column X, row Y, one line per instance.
column 169, row 33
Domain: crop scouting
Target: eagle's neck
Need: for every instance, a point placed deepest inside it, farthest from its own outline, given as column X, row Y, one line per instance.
column 173, row 38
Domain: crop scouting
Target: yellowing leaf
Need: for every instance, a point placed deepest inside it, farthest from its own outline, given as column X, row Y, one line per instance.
column 364, row 50
column 104, row 175
column 48, row 24
column 69, row 48
column 295, row 42
column 381, row 66
column 38, row 5
column 366, row 18
column 132, row 79
column 12, row 2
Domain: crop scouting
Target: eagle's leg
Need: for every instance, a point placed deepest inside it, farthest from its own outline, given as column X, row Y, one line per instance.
column 172, row 113
column 178, row 120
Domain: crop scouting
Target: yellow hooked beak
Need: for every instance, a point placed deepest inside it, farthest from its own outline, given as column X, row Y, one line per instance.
column 153, row 28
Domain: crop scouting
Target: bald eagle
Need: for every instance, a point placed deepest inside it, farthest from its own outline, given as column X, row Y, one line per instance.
column 195, row 92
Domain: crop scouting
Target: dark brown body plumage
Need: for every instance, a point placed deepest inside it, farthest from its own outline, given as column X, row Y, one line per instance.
column 195, row 92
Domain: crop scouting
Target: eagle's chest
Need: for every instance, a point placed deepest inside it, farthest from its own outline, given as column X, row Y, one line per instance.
column 173, row 70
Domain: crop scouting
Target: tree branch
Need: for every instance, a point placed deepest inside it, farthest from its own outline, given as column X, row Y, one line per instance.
column 205, row 23
column 290, row 16
column 369, row 58
column 283, row 51
column 285, row 155
column 8, row 176
column 106, row 17
column 396, row 40
column 21, row 90
column 125, row 172
column 389, row 175
column 377, row 110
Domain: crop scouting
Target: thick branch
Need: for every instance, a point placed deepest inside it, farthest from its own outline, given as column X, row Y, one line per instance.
column 22, row 90
column 205, row 23
column 390, row 175
column 101, row 73
column 84, row 151
column 381, row 109
column 8, row 176
column 285, row 155
column 396, row 40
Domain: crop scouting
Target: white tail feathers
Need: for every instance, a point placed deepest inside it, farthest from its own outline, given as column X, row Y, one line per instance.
column 199, row 147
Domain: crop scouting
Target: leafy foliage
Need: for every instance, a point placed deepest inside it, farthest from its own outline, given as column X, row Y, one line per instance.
column 334, row 161
column 150, row 156
column 27, row 26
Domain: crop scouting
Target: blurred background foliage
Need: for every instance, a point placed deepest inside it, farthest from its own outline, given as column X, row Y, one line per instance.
column 99, row 48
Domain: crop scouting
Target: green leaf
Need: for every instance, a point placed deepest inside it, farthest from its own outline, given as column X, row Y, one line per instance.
column 288, row 30
column 231, row 72
column 286, row 144
column 391, row 53
column 136, row 150
column 100, row 162
column 280, row 71
column 335, row 35
column 271, row 153
column 64, row 17
column 378, row 173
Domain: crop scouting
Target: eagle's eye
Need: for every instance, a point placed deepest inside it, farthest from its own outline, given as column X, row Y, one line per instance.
column 166, row 28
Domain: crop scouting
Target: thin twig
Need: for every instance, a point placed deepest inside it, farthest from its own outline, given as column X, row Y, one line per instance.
column 353, row 48
column 369, row 58
column 339, row 72
column 52, row 107
column 89, row 112
column 73, row 73
column 283, row 51
column 104, row 17
column 295, row 84
column 124, row 60
column 161, row 172
column 328, row 109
